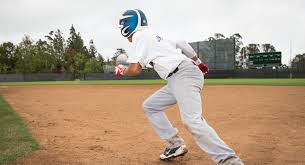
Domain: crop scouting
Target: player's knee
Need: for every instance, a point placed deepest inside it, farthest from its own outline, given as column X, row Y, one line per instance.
column 146, row 106
column 192, row 129
column 149, row 106
column 187, row 124
column 195, row 127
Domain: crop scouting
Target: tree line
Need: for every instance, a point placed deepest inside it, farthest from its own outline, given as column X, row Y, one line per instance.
column 53, row 54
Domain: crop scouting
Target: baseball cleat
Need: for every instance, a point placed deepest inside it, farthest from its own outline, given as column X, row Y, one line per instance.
column 171, row 153
column 232, row 160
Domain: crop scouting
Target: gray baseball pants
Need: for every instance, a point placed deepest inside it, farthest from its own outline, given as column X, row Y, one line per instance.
column 184, row 88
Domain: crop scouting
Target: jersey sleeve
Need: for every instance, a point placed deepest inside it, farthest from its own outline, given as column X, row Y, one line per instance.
column 186, row 48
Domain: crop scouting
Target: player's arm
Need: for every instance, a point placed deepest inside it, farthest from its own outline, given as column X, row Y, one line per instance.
column 140, row 48
column 133, row 69
column 186, row 49
column 189, row 52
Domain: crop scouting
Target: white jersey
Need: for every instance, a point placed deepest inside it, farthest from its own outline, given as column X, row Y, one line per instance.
column 150, row 49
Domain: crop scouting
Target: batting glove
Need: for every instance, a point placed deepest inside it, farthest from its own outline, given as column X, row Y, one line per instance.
column 119, row 70
column 202, row 66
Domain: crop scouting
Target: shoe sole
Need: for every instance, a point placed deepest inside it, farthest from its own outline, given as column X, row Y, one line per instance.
column 175, row 156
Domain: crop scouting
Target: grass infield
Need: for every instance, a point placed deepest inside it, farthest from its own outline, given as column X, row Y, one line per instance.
column 15, row 140
column 272, row 82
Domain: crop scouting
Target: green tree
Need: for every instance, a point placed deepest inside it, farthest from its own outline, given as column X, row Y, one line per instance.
column 57, row 41
column 238, row 44
column 34, row 58
column 45, row 60
column 268, row 48
column 298, row 62
column 76, row 42
column 119, row 51
column 75, row 62
column 80, row 62
column 25, row 54
column 245, row 51
column 253, row 48
column 211, row 39
column 70, row 60
column 101, row 60
column 219, row 36
column 54, row 54
column 93, row 66
column 243, row 57
column 76, row 54
column 7, row 57
column 92, row 50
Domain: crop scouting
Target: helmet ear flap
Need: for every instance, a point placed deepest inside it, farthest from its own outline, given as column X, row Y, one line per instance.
column 125, row 31
column 143, row 18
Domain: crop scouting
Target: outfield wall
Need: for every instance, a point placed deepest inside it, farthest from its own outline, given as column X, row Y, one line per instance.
column 150, row 75
column 211, row 74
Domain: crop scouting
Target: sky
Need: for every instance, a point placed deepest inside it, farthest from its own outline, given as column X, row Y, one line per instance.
column 279, row 22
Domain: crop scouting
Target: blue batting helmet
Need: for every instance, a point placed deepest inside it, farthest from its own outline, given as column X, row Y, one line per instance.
column 132, row 21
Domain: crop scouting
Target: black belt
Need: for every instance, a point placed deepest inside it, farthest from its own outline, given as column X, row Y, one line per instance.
column 175, row 71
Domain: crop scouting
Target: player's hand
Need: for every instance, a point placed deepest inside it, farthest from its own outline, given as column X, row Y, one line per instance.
column 119, row 70
column 204, row 68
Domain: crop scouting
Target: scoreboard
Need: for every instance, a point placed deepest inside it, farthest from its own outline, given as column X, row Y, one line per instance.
column 265, row 59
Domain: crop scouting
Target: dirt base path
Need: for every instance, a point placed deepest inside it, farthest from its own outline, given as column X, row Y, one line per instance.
column 105, row 124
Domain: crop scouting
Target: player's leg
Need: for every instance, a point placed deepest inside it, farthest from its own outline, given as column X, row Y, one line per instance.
column 204, row 135
column 186, row 88
column 154, row 107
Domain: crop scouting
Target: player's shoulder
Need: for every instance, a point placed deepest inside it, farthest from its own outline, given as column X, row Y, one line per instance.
column 143, row 35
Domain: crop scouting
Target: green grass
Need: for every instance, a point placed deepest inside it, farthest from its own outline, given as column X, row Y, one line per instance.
column 273, row 82
column 15, row 139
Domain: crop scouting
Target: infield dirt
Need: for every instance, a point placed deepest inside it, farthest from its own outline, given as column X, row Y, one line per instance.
column 105, row 124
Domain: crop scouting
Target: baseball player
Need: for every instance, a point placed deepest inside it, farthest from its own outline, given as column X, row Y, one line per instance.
column 184, row 73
